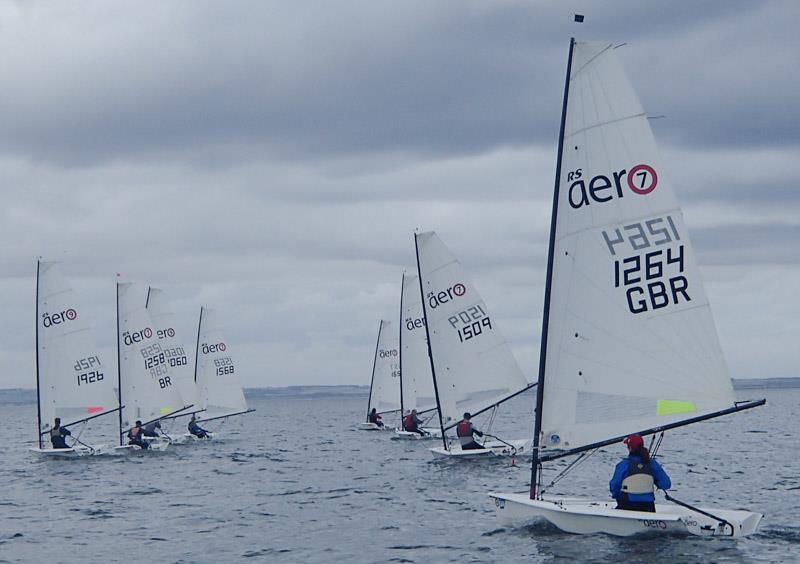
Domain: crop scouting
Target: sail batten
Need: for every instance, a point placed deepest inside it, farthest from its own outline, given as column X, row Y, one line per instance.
column 632, row 343
column 72, row 381
column 219, row 388
column 418, row 392
column 385, row 391
column 473, row 365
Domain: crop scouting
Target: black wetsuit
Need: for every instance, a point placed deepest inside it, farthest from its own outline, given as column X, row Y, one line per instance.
column 57, row 435
column 197, row 431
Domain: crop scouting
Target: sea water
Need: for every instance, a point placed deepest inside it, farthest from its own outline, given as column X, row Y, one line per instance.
column 296, row 482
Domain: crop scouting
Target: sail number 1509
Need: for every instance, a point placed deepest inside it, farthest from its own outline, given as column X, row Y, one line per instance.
column 470, row 323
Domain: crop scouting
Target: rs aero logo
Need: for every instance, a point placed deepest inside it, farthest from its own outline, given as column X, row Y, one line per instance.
column 387, row 353
column 453, row 292
column 412, row 323
column 217, row 347
column 129, row 337
column 164, row 333
column 58, row 318
column 641, row 179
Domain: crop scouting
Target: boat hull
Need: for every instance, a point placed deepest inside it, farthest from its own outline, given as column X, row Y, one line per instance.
column 412, row 436
column 74, row 452
column 364, row 426
column 492, row 448
column 586, row 516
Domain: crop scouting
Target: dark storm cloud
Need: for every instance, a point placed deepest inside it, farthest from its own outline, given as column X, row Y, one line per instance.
column 220, row 84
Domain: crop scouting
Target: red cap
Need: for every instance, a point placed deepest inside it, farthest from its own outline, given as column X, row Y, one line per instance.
column 634, row 442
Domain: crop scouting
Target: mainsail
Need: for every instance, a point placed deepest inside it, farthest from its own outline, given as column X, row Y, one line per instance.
column 385, row 388
column 149, row 389
column 218, row 382
column 415, row 367
column 628, row 342
column 72, row 382
column 473, row 365
column 173, row 346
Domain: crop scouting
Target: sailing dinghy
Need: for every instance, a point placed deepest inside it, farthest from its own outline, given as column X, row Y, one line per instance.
column 71, row 381
column 416, row 382
column 147, row 386
column 472, row 365
column 384, row 390
column 628, row 341
column 218, row 384
column 163, row 317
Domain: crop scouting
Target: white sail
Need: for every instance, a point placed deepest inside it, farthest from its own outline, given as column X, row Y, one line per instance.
column 72, row 380
column 631, row 340
column 149, row 389
column 217, row 379
column 418, row 392
column 385, row 389
column 173, row 345
column 473, row 364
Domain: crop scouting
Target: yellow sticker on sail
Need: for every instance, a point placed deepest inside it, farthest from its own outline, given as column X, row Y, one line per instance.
column 673, row 407
column 165, row 410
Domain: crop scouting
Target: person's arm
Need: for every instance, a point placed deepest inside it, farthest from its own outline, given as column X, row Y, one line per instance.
column 474, row 430
column 65, row 432
column 659, row 476
column 615, row 485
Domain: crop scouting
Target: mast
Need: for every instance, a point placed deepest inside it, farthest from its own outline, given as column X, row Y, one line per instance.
column 38, row 397
column 196, row 354
column 119, row 372
column 537, row 428
column 428, row 339
column 400, row 350
column 374, row 363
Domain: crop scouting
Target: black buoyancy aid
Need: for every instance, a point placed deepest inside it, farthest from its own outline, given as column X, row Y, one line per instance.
column 408, row 422
column 464, row 428
column 639, row 478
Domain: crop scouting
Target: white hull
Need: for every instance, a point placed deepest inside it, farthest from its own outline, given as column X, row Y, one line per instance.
column 73, row 452
column 411, row 436
column 364, row 426
column 155, row 446
column 188, row 437
column 491, row 448
column 586, row 516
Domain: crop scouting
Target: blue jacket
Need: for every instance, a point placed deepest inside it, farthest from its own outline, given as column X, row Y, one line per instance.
column 621, row 471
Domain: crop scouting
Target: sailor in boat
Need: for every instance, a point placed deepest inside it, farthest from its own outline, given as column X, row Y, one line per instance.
column 636, row 476
column 412, row 422
column 58, row 434
column 136, row 436
column 196, row 430
column 152, row 429
column 465, row 430
column 374, row 417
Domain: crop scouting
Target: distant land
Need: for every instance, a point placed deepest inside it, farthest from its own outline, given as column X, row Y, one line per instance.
column 14, row 396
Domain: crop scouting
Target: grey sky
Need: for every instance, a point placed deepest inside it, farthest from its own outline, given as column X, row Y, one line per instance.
column 271, row 160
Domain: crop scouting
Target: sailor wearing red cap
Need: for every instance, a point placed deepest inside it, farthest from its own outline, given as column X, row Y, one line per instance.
column 636, row 477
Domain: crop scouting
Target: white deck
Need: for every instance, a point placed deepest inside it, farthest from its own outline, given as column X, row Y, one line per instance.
column 492, row 448
column 588, row 516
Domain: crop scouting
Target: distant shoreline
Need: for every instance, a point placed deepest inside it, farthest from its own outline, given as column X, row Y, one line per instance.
column 28, row 395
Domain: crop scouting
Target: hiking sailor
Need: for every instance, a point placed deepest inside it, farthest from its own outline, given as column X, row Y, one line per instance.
column 374, row 417
column 636, row 476
column 196, row 430
column 465, row 429
column 151, row 429
column 411, row 423
column 57, row 434
column 136, row 436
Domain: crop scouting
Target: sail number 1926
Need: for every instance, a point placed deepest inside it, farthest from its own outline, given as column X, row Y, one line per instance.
column 88, row 370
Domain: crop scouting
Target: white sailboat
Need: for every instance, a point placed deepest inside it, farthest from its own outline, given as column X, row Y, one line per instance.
column 416, row 381
column 148, row 389
column 176, row 353
column 628, row 341
column 218, row 384
column 384, row 388
column 473, row 367
column 71, row 380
